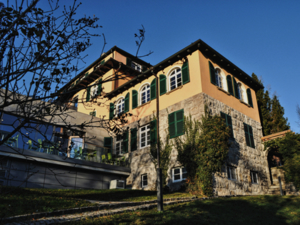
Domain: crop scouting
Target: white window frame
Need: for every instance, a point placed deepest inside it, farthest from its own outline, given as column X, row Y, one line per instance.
column 143, row 176
column 147, row 135
column 240, row 90
column 170, row 76
column 94, row 90
column 119, row 145
column 218, row 77
column 141, row 92
column 254, row 174
column 119, row 103
column 231, row 169
column 136, row 66
column 181, row 172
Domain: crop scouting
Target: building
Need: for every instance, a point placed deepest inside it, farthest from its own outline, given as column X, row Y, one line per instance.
column 188, row 80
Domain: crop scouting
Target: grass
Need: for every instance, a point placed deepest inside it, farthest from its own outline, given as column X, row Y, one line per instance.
column 18, row 201
column 258, row 210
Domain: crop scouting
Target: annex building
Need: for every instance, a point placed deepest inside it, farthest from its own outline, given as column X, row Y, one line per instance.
column 118, row 83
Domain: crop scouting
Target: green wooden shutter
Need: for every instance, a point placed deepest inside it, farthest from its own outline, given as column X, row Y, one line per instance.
column 126, row 107
column 247, row 136
column 134, row 99
column 93, row 113
column 229, row 124
column 86, row 74
column 153, row 89
column 251, row 137
column 102, row 62
column 162, row 84
column 229, row 85
column 223, row 115
column 125, row 141
column 179, row 122
column 133, row 141
column 99, row 87
column 88, row 94
column 172, row 126
column 236, row 90
column 153, row 132
column 108, row 143
column 249, row 97
column 185, row 72
column 111, row 110
column 212, row 73
column 128, row 61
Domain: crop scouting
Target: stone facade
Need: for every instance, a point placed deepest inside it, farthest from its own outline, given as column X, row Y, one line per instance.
column 244, row 158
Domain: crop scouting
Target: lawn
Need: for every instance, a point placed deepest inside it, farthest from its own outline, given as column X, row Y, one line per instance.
column 18, row 201
column 258, row 210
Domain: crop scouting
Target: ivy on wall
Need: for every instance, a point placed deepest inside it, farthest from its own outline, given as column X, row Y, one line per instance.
column 202, row 150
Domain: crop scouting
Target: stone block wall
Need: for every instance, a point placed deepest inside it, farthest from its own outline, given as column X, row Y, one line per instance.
column 244, row 158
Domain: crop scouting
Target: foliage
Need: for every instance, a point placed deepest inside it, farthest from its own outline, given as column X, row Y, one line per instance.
column 202, row 150
column 259, row 210
column 289, row 148
column 271, row 112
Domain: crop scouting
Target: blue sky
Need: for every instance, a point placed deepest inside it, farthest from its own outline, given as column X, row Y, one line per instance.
column 257, row 36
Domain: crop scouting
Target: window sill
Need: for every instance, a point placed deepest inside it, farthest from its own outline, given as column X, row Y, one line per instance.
column 245, row 103
column 177, row 181
column 221, row 89
column 169, row 92
column 147, row 103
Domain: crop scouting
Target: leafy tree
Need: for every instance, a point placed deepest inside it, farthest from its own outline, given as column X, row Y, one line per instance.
column 289, row 148
column 202, row 150
column 271, row 112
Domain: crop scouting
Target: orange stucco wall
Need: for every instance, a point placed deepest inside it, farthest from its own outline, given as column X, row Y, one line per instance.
column 213, row 91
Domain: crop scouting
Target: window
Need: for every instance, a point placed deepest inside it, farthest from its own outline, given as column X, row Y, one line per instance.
column 136, row 66
column 75, row 102
column 145, row 136
column 254, row 177
column 249, row 135
column 228, row 122
column 3, row 168
column 144, row 180
column 176, row 123
column 119, row 145
column 145, row 94
column 218, row 77
column 240, row 91
column 133, row 140
column 179, row 174
column 231, row 173
column 93, row 113
column 94, row 91
column 249, row 97
column 120, row 106
column 175, row 78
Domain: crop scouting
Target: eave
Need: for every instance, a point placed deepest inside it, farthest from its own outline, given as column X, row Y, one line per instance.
column 207, row 51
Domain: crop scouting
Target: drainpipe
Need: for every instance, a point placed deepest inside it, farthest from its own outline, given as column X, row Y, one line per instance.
column 158, row 170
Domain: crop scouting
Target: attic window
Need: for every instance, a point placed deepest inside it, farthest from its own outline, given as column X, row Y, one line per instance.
column 136, row 66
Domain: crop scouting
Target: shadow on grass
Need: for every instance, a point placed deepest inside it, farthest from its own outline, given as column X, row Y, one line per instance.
column 258, row 210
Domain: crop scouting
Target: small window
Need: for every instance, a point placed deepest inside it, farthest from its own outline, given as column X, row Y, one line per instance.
column 136, row 66
column 175, row 78
column 94, row 91
column 75, row 102
column 145, row 136
column 144, row 180
column 228, row 122
column 120, row 107
column 93, row 113
column 231, row 173
column 179, row 174
column 3, row 168
column 119, row 145
column 254, row 177
column 218, row 78
column 145, row 94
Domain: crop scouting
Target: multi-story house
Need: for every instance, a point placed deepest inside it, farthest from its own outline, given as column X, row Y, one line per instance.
column 195, row 76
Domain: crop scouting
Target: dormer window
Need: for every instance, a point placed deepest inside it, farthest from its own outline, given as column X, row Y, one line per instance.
column 136, row 66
